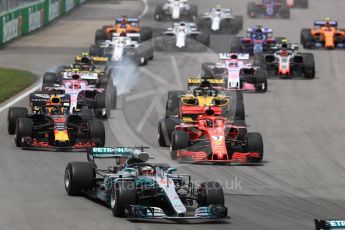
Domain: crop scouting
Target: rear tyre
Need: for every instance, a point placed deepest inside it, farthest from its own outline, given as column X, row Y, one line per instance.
column 309, row 66
column 13, row 114
column 173, row 103
column 122, row 195
column 261, row 80
column 49, row 79
column 97, row 132
column 94, row 50
column 255, row 144
column 100, row 36
column 159, row 12
column 252, row 9
column 24, row 129
column 193, row 12
column 78, row 176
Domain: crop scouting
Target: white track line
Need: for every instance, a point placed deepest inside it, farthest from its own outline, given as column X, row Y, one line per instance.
column 146, row 8
column 19, row 97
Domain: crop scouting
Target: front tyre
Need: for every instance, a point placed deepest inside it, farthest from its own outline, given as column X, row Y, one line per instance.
column 78, row 176
column 122, row 195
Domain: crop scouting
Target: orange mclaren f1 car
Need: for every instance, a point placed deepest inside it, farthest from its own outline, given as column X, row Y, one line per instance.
column 324, row 35
column 124, row 26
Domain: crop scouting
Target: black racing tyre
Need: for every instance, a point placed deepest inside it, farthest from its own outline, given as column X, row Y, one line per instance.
column 145, row 33
column 113, row 97
column 173, row 103
column 97, row 132
column 122, row 195
column 204, row 39
column 49, row 79
column 103, row 81
column 309, row 66
column 284, row 12
column 255, row 144
column 24, row 128
column 306, row 38
column 252, row 9
column 211, row 193
column 100, row 35
column 78, row 176
column 193, row 12
column 13, row 114
column 180, row 140
column 236, row 45
column 159, row 12
column 94, row 50
column 166, row 127
column 204, row 24
column 261, row 80
column 101, row 102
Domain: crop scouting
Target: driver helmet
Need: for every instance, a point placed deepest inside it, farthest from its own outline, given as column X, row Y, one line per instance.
column 147, row 170
column 284, row 43
column 55, row 110
column 209, row 123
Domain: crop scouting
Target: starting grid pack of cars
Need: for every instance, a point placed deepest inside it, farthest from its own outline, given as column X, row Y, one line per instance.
column 205, row 123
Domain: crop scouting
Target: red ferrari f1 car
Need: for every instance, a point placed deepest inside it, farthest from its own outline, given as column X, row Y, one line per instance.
column 214, row 138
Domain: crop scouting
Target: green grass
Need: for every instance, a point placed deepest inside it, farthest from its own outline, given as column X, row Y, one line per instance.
column 13, row 81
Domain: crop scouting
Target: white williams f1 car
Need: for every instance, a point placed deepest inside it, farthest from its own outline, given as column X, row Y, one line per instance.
column 220, row 20
column 176, row 10
column 182, row 36
column 123, row 48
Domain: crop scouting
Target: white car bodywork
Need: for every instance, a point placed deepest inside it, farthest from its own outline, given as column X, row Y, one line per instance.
column 119, row 44
column 216, row 15
column 175, row 7
column 182, row 30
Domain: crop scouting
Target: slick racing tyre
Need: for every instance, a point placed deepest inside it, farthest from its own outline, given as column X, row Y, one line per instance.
column 236, row 45
column 24, row 129
column 122, row 195
column 173, row 103
column 255, row 144
column 252, row 9
column 102, row 101
column 97, row 132
column 193, row 12
column 309, row 66
column 284, row 12
column 179, row 140
column 78, row 176
column 94, row 50
column 203, row 39
column 49, row 79
column 13, row 114
column 166, row 127
column 100, row 36
column 261, row 80
column 159, row 12
column 211, row 193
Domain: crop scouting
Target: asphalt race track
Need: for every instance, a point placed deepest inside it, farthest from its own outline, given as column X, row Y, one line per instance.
column 302, row 123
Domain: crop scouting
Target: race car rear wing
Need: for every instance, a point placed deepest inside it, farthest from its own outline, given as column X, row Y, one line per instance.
column 324, row 23
column 238, row 56
column 130, row 20
column 196, row 82
column 42, row 99
column 118, row 152
column 329, row 224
